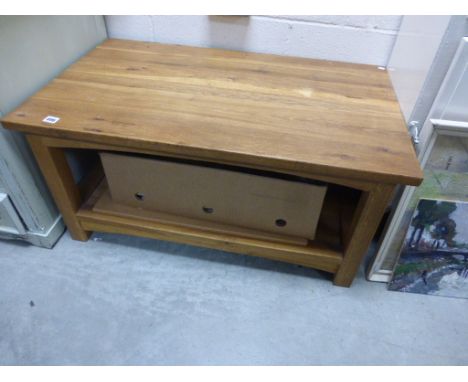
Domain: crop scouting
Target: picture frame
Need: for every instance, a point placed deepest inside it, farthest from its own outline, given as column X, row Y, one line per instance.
column 434, row 255
column 448, row 118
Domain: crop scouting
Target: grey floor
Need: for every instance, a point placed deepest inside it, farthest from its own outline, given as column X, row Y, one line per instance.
column 123, row 300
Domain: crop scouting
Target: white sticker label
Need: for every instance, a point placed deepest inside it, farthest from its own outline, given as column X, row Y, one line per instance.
column 51, row 119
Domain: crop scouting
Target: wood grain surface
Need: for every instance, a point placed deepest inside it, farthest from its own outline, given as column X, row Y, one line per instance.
column 296, row 114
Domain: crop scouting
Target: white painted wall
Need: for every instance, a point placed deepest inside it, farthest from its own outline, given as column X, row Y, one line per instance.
column 359, row 39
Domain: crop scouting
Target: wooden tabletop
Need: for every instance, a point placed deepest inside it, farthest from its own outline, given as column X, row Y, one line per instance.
column 317, row 117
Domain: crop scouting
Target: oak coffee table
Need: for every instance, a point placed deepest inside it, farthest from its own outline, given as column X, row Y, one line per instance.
column 336, row 123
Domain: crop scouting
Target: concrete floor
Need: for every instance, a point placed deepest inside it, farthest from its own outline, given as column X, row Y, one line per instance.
column 123, row 300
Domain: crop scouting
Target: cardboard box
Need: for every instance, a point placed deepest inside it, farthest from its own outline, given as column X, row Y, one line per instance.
column 215, row 194
column 106, row 205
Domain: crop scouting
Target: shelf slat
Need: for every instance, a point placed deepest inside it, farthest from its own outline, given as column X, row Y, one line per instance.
column 316, row 255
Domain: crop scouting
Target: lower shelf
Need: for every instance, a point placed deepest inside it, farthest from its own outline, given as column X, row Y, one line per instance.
column 315, row 254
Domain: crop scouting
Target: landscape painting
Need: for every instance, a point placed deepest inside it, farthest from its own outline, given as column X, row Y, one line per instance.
column 434, row 256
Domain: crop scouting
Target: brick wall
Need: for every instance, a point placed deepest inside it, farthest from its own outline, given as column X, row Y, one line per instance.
column 360, row 39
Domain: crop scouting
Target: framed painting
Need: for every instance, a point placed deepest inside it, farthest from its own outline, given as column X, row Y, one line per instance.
column 443, row 144
column 434, row 256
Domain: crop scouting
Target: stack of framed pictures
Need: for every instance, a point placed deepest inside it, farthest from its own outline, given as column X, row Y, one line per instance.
column 442, row 146
column 433, row 236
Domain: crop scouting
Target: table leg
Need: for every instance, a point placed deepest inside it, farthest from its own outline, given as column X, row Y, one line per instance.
column 367, row 217
column 59, row 178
